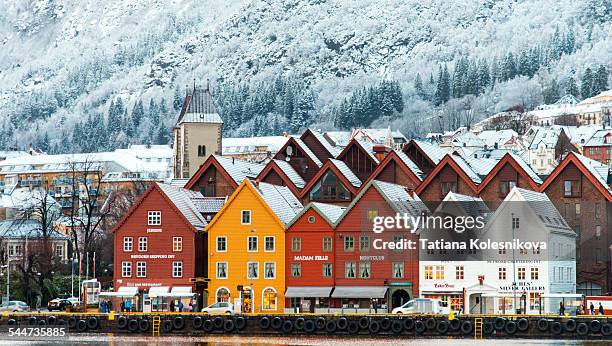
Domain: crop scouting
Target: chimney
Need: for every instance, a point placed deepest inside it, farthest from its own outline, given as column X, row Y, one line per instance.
column 380, row 151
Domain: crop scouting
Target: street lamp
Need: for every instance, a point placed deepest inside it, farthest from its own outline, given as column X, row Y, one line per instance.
column 513, row 264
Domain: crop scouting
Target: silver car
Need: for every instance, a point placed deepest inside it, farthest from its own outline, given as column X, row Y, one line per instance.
column 15, row 306
column 220, row 308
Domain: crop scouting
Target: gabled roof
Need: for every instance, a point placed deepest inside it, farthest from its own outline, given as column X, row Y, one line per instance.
column 472, row 206
column 396, row 196
column 179, row 199
column 341, row 170
column 22, row 229
column 596, row 172
column 199, row 107
column 298, row 142
column 235, row 171
column 458, row 168
column 364, row 146
column 290, row 172
column 599, row 139
column 476, row 169
column 519, row 165
column 547, row 135
column 501, row 137
column 331, row 149
column 403, row 162
column 433, row 151
column 330, row 212
column 286, row 172
column 279, row 201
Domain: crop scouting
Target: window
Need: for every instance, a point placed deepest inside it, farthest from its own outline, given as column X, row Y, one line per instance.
column 253, row 270
column 505, row 187
column 269, row 270
column 221, row 244
column 223, row 295
column 598, row 231
column 535, row 274
column 296, row 269
column 428, row 272
column 126, row 269
column 515, row 223
column 571, row 188
column 128, row 244
column 269, row 244
column 269, row 299
column 329, row 188
column 459, row 272
column 598, row 209
column 154, row 218
column 246, row 217
column 372, row 214
column 349, row 269
column 439, row 272
column 141, row 269
column 365, row 269
column 578, row 209
column 327, row 244
column 521, row 273
column 177, row 269
column 446, row 187
column 201, row 150
column 15, row 250
column 364, row 243
column 221, row 270
column 501, row 273
column 501, row 251
column 327, row 270
column 252, row 244
column 177, row 244
column 59, row 251
column 523, row 251
column 142, row 244
column 398, row 270
column 296, row 244
column 349, row 243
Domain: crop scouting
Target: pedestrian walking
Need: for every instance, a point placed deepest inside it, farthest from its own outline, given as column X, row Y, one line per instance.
column 601, row 309
column 172, row 305
column 180, row 306
column 561, row 309
column 592, row 308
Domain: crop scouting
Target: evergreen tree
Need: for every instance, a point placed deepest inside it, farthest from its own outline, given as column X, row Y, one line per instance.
column 484, row 79
column 177, row 102
column 600, row 81
column 570, row 41
column 137, row 114
column 551, row 93
column 571, row 88
column 586, row 85
column 418, row 87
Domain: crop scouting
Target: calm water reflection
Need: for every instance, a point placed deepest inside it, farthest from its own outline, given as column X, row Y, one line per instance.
column 282, row 341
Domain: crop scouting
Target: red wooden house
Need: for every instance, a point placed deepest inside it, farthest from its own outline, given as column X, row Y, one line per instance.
column 360, row 157
column 310, row 258
column 334, row 183
column 300, row 157
column 281, row 173
column 219, row 176
column 368, row 275
column 319, row 145
column 424, row 154
column 397, row 168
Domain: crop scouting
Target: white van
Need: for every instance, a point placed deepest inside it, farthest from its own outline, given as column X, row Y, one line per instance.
column 423, row 306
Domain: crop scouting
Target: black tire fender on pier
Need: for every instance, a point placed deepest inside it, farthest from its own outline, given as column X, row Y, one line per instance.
column 500, row 323
column 72, row 322
column 197, row 322
column 442, row 327
column 430, row 323
column 51, row 320
column 122, row 322
column 166, row 326
column 364, row 322
column 33, row 320
column 12, row 322
column 510, row 327
column 606, row 329
column 342, row 323
column 61, row 322
column 595, row 326
column 353, row 327
column 408, row 323
column 93, row 323
column 522, row 324
column 320, row 323
column 570, row 325
column 455, row 324
column 143, row 325
column 277, row 322
column 488, row 328
column 582, row 329
column 309, row 326
column 264, row 322
column 543, row 325
column 218, row 322
column 133, row 325
column 229, row 325
column 374, row 327
column 178, row 323
column 331, row 326
column 287, row 327
column 397, row 326
column 556, row 328
column 42, row 322
column 467, row 327
column 208, row 325
column 240, row 322
column 419, row 326
column 81, row 326
column 299, row 323
column 385, row 323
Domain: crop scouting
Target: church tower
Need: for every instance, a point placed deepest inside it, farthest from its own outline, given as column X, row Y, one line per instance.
column 197, row 132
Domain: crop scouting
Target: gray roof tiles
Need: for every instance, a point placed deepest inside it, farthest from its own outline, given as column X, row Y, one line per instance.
column 183, row 200
column 347, row 172
column 281, row 200
column 290, row 172
column 238, row 169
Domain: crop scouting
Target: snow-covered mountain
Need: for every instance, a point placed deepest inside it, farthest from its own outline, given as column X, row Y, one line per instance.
column 62, row 61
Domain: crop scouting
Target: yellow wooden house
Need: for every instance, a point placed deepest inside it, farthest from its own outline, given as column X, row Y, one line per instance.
column 246, row 248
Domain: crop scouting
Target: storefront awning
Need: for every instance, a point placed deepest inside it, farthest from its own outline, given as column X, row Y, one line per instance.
column 180, row 292
column 124, row 292
column 307, row 292
column 359, row 292
column 158, row 291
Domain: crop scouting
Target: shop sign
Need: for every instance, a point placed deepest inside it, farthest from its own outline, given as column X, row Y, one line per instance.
column 443, row 285
column 371, row 258
column 146, row 256
column 523, row 286
column 310, row 258
column 154, row 230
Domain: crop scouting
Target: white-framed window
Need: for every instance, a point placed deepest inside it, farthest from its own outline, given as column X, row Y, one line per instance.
column 154, row 218
column 439, row 272
column 327, row 244
column 327, row 270
column 143, row 244
column 128, row 244
column 269, row 244
column 177, row 244
column 501, row 273
column 365, row 270
column 459, row 273
column 15, row 250
column 296, row 244
column 253, row 270
column 350, row 269
column 245, row 217
column 59, row 250
column 126, row 269
column 252, row 243
column 535, row 273
column 141, row 269
column 269, row 298
column 221, row 244
column 398, row 270
column 296, row 269
column 269, row 270
column 177, row 269
column 221, row 270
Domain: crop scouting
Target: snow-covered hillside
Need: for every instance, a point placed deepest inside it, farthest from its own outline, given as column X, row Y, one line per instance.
column 62, row 61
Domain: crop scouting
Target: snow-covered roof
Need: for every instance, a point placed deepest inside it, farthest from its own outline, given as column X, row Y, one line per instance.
column 331, row 211
column 598, row 169
column 476, row 169
column 183, row 199
column 411, row 165
column 290, row 172
column 526, row 167
column 579, row 134
column 20, row 228
column 468, row 139
column 281, row 200
column 433, row 151
column 239, row 169
column 199, row 107
column 340, row 138
column 368, row 147
column 247, row 145
column 347, row 172
column 209, row 205
column 7, row 154
column 24, row 198
column 547, row 135
column 542, row 206
column 473, row 206
column 500, row 137
column 307, row 151
column 599, row 139
column 334, row 150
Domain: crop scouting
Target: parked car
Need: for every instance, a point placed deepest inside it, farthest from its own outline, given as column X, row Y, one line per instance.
column 221, row 308
column 60, row 304
column 15, row 306
column 423, row 306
